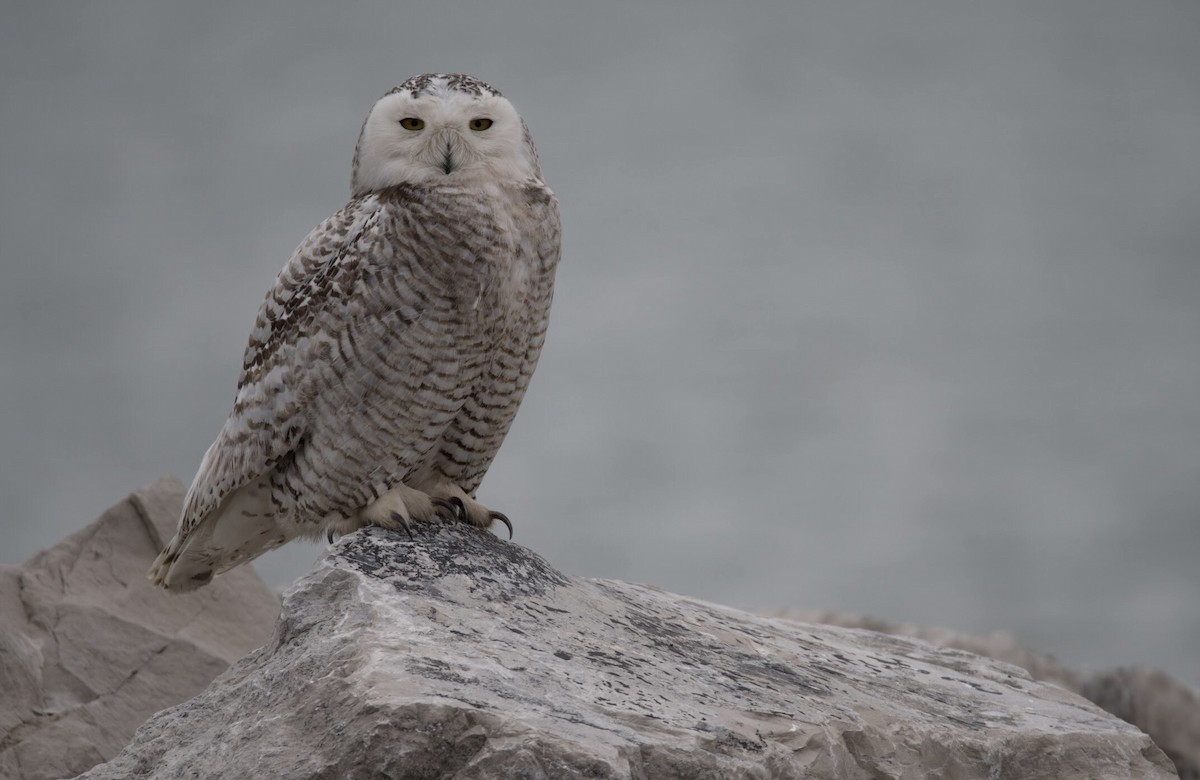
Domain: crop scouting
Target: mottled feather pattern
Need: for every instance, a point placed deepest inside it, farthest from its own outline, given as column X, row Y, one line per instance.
column 484, row 420
column 398, row 333
column 266, row 421
column 457, row 82
column 394, row 348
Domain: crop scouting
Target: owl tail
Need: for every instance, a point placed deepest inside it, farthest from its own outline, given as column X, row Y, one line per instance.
column 239, row 530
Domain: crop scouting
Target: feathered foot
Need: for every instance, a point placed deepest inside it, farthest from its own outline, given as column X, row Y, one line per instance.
column 451, row 501
column 395, row 510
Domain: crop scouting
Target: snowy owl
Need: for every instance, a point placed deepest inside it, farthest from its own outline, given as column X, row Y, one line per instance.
column 388, row 359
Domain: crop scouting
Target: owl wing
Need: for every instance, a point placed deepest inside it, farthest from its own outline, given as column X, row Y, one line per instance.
column 331, row 376
column 268, row 417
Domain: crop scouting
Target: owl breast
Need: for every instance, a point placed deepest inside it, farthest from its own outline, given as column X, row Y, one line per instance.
column 519, row 283
column 452, row 293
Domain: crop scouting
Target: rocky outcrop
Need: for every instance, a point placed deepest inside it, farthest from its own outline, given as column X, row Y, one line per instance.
column 1150, row 699
column 89, row 650
column 999, row 645
column 455, row 654
column 1160, row 705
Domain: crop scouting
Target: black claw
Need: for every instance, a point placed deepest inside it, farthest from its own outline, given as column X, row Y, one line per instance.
column 494, row 515
column 329, row 535
column 442, row 503
column 460, row 511
column 399, row 518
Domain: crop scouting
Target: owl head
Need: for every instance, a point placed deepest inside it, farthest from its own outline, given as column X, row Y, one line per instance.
column 442, row 127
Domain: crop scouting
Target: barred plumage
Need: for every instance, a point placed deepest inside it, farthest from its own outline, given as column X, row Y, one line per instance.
column 387, row 362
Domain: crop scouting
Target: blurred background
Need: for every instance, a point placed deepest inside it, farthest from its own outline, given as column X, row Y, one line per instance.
column 883, row 307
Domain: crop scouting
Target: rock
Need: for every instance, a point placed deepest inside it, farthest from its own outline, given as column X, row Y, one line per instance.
column 1161, row 706
column 89, row 649
column 999, row 645
column 456, row 654
column 1166, row 709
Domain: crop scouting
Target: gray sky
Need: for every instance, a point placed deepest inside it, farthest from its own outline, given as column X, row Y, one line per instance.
column 876, row 306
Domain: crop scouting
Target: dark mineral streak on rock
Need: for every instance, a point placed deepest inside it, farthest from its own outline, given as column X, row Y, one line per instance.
column 418, row 563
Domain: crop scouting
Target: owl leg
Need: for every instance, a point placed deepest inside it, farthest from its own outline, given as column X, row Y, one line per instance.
column 450, row 499
column 395, row 510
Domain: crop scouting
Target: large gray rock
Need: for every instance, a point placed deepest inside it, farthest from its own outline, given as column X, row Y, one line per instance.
column 458, row 655
column 1000, row 645
column 1150, row 699
column 89, row 650
column 1160, row 705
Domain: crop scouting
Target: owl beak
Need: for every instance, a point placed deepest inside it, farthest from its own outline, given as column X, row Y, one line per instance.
column 445, row 151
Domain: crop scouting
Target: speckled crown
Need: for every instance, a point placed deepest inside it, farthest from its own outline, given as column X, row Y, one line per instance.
column 446, row 82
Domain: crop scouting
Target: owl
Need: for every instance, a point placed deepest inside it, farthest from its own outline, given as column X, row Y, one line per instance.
column 390, row 356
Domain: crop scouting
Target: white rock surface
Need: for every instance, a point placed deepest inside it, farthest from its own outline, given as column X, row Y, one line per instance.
column 1150, row 699
column 999, row 645
column 459, row 655
column 89, row 650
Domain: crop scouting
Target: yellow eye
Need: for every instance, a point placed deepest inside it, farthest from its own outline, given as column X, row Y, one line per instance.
column 412, row 123
column 482, row 123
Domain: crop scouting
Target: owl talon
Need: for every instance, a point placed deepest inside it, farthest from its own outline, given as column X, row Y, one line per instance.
column 401, row 521
column 494, row 515
column 452, row 500
column 453, row 506
column 329, row 535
